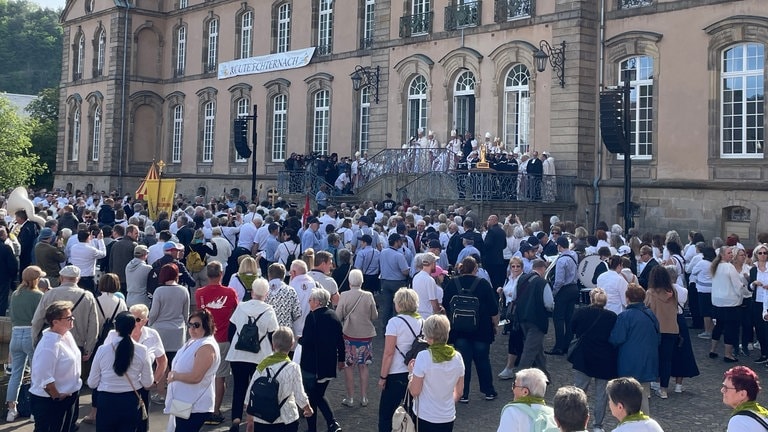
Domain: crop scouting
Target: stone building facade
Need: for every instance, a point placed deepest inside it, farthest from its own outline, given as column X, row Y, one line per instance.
column 140, row 83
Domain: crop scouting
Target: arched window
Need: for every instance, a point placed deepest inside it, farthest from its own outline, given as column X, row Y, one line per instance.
column 464, row 102
column 74, row 145
column 177, row 137
column 417, row 105
column 284, row 28
column 365, row 119
column 279, row 127
column 101, row 48
column 96, row 143
column 742, row 101
column 641, row 105
column 321, row 122
column 209, row 120
column 243, row 106
column 517, row 108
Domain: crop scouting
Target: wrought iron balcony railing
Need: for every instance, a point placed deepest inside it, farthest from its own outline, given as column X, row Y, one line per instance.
column 324, row 50
column 211, row 67
column 366, row 43
column 77, row 76
column 415, row 25
column 629, row 4
column 463, row 15
column 507, row 10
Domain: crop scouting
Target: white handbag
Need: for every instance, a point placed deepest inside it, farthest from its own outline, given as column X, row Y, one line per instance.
column 180, row 409
column 401, row 419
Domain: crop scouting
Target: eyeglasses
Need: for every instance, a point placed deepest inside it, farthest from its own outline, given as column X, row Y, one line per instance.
column 195, row 324
column 515, row 386
column 762, row 253
column 515, row 266
column 726, row 388
column 68, row 318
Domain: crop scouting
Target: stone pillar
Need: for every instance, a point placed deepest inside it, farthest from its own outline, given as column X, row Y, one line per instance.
column 113, row 119
column 380, row 57
column 573, row 108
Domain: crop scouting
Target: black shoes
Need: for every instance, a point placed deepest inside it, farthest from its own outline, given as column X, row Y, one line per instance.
column 555, row 351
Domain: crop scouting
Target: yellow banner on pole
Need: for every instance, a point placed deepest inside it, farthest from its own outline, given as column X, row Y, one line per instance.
column 160, row 193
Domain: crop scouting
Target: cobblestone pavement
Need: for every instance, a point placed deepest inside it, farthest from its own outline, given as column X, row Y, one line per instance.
column 699, row 408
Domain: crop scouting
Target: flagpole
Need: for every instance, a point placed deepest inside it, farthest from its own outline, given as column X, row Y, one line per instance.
column 160, row 166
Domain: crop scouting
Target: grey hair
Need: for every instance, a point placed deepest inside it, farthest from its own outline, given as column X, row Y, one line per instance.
column 321, row 295
column 282, row 339
column 534, row 380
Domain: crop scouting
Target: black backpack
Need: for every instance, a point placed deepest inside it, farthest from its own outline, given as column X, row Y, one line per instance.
column 465, row 307
column 153, row 279
column 418, row 345
column 107, row 325
column 291, row 256
column 265, row 391
column 248, row 338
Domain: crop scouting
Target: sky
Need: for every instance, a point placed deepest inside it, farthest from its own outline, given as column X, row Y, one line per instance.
column 51, row 4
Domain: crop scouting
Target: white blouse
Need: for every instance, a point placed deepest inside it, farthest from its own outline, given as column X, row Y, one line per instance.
column 56, row 359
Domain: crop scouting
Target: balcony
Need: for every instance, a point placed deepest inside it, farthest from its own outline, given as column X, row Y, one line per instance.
column 77, row 76
column 508, row 10
column 210, row 67
column 97, row 72
column 463, row 15
column 366, row 43
column 416, row 25
column 178, row 72
column 324, row 50
column 629, row 4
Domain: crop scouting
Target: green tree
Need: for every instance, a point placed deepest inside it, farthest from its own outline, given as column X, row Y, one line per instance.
column 44, row 114
column 17, row 165
column 30, row 47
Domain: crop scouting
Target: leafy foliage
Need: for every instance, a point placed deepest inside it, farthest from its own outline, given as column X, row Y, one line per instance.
column 30, row 47
column 17, row 165
column 44, row 113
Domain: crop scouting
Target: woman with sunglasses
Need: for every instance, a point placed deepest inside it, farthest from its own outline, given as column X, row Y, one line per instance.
column 508, row 295
column 758, row 284
column 121, row 367
column 56, row 368
column 191, row 379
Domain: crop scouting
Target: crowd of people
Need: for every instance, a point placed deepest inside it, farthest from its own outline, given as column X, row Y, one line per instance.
column 163, row 311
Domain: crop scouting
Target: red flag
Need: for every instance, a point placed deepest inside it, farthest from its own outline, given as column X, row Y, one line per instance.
column 307, row 213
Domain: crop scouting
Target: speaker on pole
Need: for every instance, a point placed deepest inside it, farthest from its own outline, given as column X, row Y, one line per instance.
column 611, row 122
column 241, row 138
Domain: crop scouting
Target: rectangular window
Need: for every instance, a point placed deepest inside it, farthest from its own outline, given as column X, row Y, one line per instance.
column 181, row 50
column 325, row 28
column 100, row 54
column 246, row 33
column 279, row 127
column 421, row 17
column 213, row 45
column 80, row 58
column 178, row 133
column 742, row 131
column 96, row 147
column 243, row 109
column 209, row 119
column 365, row 118
column 183, row 4
column 75, row 144
column 367, row 39
column 321, row 122
column 640, row 105
column 284, row 28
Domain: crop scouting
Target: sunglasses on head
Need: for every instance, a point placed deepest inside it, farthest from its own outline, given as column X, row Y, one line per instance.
column 195, row 324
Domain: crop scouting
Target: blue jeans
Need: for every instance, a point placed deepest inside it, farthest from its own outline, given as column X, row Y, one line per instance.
column 21, row 354
column 582, row 381
column 479, row 352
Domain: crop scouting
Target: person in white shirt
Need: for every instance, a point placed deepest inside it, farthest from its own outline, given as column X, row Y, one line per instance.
column 223, row 248
column 56, row 368
column 615, row 285
column 528, row 390
column 248, row 235
column 425, row 285
column 84, row 255
column 155, row 252
column 438, row 374
column 303, row 284
column 119, row 369
column 625, row 396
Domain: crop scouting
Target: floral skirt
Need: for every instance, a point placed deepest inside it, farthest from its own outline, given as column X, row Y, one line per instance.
column 358, row 351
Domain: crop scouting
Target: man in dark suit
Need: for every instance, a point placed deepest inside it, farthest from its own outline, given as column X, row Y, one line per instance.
column 493, row 257
column 534, row 301
column 646, row 257
column 9, row 268
column 535, row 171
column 27, row 235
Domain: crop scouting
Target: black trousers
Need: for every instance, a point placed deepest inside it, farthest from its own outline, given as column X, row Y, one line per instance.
column 391, row 397
column 54, row 415
column 118, row 412
column 242, row 372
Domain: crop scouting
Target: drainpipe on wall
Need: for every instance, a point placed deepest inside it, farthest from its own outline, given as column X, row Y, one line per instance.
column 127, row 5
column 599, row 168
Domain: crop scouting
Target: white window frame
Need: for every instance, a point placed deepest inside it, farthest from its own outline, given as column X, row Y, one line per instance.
column 177, row 138
column 283, row 28
column 321, row 120
column 76, row 125
column 213, row 44
column 369, row 21
column 96, row 143
column 181, row 50
column 183, row 4
column 417, row 102
column 243, row 108
column 79, row 66
column 641, row 103
column 365, row 120
column 751, row 75
column 279, row 127
column 325, row 26
column 246, row 34
column 209, row 122
column 465, row 85
column 517, row 95
column 101, row 52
